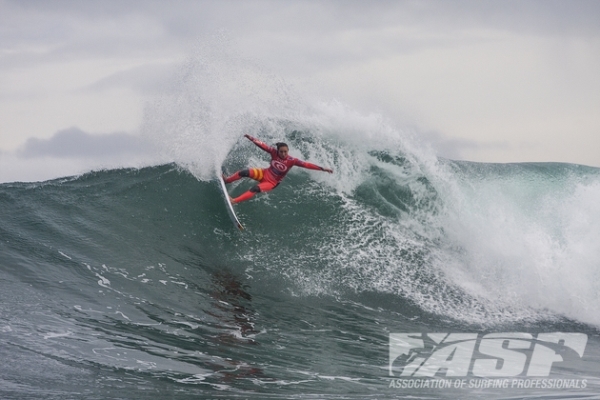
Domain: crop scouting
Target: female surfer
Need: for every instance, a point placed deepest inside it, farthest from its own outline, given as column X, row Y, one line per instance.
column 269, row 178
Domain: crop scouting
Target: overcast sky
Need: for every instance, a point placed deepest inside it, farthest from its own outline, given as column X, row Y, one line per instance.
column 491, row 81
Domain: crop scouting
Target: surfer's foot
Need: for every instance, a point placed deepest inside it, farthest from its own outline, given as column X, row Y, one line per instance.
column 224, row 177
column 231, row 200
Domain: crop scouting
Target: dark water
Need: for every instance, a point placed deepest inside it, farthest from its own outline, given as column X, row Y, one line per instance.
column 127, row 284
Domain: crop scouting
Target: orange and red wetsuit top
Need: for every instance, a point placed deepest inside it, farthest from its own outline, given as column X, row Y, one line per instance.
column 270, row 177
column 279, row 167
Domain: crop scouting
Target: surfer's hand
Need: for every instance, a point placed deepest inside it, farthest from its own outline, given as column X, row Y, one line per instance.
column 248, row 136
column 328, row 170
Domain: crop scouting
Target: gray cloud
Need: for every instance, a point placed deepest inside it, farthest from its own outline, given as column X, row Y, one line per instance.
column 75, row 143
column 129, row 27
column 303, row 37
column 149, row 79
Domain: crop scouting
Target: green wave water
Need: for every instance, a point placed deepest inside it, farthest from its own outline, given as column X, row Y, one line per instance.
column 126, row 283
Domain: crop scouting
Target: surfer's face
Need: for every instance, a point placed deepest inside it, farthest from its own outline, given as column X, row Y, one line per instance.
column 283, row 152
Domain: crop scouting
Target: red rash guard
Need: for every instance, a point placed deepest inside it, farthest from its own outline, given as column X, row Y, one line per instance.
column 280, row 167
column 270, row 177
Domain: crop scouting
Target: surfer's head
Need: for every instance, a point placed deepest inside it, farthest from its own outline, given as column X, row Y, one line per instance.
column 282, row 150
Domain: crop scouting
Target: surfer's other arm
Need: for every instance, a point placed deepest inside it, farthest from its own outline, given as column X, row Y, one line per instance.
column 307, row 165
column 260, row 144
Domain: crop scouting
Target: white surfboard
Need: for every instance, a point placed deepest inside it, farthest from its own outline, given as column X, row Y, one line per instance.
column 230, row 211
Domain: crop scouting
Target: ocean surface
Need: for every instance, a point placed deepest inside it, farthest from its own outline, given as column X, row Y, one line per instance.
column 133, row 283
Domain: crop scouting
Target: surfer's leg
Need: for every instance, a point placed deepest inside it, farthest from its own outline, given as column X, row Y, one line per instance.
column 245, row 196
column 254, row 173
column 238, row 175
column 261, row 187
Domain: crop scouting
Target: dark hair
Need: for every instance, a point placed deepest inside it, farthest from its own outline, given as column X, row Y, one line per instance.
column 281, row 144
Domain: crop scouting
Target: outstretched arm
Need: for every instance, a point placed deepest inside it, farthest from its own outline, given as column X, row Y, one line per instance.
column 260, row 144
column 307, row 165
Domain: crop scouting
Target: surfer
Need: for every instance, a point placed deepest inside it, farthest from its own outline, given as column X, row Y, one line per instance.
column 269, row 178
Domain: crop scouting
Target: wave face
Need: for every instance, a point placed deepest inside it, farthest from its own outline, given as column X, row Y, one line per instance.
column 141, row 275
